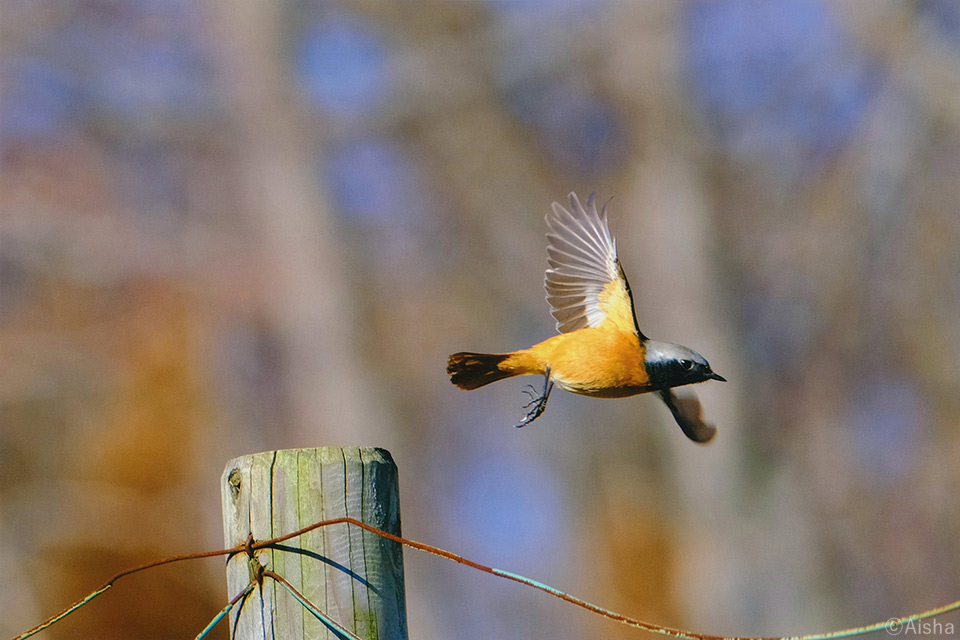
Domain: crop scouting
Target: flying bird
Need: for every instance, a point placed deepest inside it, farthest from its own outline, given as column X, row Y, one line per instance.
column 600, row 351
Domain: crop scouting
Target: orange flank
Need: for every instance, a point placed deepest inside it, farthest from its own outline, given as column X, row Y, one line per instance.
column 594, row 361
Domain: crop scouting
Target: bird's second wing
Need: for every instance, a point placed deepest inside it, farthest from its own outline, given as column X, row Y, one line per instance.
column 688, row 412
column 585, row 284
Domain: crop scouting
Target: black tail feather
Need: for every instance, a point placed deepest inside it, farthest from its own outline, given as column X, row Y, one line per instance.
column 472, row 370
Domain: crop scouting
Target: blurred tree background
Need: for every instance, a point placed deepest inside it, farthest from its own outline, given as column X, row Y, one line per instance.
column 237, row 226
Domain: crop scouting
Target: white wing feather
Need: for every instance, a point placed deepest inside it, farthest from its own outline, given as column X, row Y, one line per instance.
column 583, row 260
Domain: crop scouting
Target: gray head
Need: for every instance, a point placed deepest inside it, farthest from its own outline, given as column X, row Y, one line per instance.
column 673, row 365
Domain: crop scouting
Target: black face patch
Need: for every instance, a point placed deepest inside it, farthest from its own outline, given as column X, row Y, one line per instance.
column 674, row 373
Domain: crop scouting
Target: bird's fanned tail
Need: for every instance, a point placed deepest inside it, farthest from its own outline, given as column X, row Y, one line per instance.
column 473, row 370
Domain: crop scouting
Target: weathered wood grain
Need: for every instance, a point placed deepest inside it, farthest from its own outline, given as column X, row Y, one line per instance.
column 353, row 576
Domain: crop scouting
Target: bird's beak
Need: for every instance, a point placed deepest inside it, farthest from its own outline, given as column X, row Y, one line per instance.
column 717, row 376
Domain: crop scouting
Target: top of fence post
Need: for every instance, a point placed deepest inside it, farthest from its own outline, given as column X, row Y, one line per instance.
column 353, row 576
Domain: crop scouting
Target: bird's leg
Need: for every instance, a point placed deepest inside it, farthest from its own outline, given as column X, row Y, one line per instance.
column 537, row 403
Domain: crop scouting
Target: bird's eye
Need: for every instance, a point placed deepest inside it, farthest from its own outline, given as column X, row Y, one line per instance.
column 687, row 364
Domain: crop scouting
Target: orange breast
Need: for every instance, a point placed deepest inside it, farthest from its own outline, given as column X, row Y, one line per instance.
column 595, row 361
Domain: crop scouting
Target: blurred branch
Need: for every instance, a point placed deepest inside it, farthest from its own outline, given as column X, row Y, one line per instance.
column 305, row 292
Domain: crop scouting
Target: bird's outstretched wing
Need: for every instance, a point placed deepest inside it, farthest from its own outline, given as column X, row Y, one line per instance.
column 688, row 412
column 585, row 284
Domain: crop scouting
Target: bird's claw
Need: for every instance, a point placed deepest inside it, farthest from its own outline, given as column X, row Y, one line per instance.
column 538, row 402
column 531, row 392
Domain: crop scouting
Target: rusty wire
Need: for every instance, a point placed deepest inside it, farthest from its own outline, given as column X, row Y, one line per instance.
column 250, row 546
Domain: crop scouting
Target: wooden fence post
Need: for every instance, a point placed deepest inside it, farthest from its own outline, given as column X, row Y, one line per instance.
column 355, row 577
